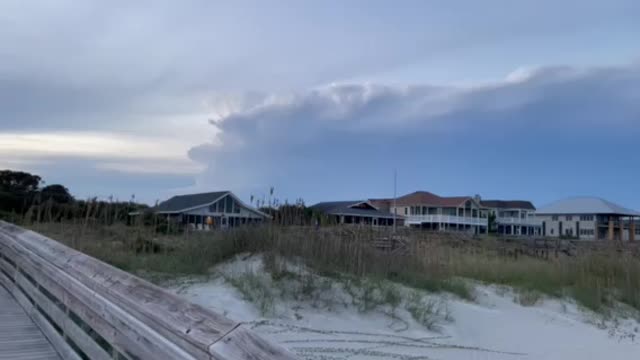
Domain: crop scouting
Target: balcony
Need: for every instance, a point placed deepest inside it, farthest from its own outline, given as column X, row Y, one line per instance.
column 448, row 219
column 529, row 221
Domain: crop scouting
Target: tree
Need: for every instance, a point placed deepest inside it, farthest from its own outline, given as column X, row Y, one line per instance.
column 17, row 189
column 492, row 223
column 57, row 193
column 18, row 181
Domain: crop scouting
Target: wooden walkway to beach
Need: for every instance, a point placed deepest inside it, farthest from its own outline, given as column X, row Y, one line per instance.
column 87, row 309
column 20, row 338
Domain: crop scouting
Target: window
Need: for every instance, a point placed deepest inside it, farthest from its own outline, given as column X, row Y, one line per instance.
column 569, row 217
column 586, row 217
column 405, row 211
column 554, row 218
column 551, row 231
column 228, row 204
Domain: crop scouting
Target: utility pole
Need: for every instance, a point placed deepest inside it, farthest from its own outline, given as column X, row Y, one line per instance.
column 395, row 209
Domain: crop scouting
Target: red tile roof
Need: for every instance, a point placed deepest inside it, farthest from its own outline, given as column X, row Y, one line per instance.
column 381, row 204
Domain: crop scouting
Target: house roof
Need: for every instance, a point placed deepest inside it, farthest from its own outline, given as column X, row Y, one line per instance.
column 183, row 202
column 586, row 205
column 427, row 198
column 327, row 206
column 346, row 208
column 508, row 204
column 381, row 204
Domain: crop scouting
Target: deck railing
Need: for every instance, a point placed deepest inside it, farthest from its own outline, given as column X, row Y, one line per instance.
column 91, row 310
column 530, row 221
column 446, row 219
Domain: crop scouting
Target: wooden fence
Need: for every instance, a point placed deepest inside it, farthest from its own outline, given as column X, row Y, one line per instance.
column 91, row 310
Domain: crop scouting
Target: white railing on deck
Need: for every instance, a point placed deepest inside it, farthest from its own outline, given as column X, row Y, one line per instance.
column 448, row 219
column 519, row 221
column 88, row 309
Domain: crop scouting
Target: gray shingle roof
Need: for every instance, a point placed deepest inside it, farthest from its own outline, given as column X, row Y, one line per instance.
column 431, row 199
column 508, row 204
column 586, row 205
column 182, row 202
column 330, row 205
column 344, row 208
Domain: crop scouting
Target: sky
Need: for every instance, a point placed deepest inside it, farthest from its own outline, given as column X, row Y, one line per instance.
column 535, row 100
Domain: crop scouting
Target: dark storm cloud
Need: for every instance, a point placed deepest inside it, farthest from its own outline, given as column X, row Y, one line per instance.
column 345, row 130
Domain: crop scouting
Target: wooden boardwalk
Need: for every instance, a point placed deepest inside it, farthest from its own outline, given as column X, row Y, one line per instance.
column 20, row 338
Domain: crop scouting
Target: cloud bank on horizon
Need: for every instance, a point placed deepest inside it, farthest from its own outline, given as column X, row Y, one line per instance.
column 323, row 100
column 557, row 126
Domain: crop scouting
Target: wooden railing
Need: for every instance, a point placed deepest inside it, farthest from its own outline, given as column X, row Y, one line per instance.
column 91, row 310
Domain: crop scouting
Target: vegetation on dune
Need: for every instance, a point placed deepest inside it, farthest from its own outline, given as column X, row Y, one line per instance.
column 269, row 279
column 435, row 262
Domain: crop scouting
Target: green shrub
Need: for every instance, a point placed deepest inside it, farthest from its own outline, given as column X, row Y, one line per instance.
column 255, row 289
column 427, row 312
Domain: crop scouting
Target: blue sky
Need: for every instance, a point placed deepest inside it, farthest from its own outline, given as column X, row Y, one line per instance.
column 534, row 100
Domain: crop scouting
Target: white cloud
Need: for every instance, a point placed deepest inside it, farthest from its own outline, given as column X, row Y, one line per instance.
column 166, row 166
column 110, row 151
column 78, row 79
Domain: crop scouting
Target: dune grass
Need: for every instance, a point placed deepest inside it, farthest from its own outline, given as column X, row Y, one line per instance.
column 433, row 262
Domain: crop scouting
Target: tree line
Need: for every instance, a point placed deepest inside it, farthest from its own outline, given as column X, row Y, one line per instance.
column 25, row 197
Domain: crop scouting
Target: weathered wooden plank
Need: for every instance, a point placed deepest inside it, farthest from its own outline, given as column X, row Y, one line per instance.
column 244, row 344
column 189, row 325
column 137, row 318
column 119, row 328
column 7, row 268
column 58, row 342
column 5, row 281
column 49, row 331
column 20, row 338
column 70, row 329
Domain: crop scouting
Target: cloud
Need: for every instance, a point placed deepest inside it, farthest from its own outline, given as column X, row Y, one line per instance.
column 109, row 151
column 164, row 167
column 343, row 135
column 77, row 80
